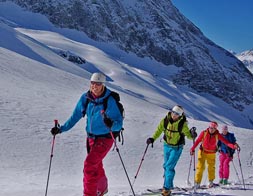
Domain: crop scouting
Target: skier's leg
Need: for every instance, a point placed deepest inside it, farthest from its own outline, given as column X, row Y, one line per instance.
column 200, row 166
column 221, row 165
column 210, row 158
column 98, row 150
column 172, row 155
column 226, row 166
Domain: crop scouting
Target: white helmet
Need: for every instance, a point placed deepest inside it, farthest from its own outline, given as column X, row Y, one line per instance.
column 98, row 77
column 178, row 110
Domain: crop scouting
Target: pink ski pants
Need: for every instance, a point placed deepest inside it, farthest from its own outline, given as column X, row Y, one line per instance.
column 94, row 178
column 224, row 165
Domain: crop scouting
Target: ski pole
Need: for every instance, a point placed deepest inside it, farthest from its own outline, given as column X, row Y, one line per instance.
column 51, row 156
column 193, row 129
column 189, row 171
column 194, row 168
column 117, row 149
column 238, row 150
column 142, row 159
column 236, row 171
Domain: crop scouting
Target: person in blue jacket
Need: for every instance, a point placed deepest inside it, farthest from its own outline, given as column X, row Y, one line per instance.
column 226, row 155
column 101, row 127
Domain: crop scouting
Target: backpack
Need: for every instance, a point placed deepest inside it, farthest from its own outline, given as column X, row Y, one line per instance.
column 180, row 127
column 116, row 97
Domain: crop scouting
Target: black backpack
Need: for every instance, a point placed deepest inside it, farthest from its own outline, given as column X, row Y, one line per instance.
column 116, row 96
column 180, row 127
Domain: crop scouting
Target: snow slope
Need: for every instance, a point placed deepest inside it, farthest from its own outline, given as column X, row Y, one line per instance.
column 37, row 86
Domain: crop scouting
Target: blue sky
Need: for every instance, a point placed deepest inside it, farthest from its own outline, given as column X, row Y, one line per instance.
column 226, row 22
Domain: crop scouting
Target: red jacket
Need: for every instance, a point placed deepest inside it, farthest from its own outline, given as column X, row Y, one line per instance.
column 209, row 141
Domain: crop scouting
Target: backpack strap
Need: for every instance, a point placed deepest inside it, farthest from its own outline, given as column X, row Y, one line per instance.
column 166, row 122
column 88, row 93
column 105, row 101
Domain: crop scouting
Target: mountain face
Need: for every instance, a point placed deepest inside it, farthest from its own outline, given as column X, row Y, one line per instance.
column 247, row 58
column 157, row 30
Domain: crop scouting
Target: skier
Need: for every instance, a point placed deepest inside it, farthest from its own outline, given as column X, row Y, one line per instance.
column 207, row 152
column 99, row 124
column 175, row 129
column 226, row 155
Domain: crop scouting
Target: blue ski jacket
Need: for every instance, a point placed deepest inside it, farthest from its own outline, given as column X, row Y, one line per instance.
column 94, row 114
column 223, row 148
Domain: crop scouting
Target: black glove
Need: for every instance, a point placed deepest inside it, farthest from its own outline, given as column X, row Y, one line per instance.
column 56, row 130
column 150, row 140
column 108, row 122
column 193, row 132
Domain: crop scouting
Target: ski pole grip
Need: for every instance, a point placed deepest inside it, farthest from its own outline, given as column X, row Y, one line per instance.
column 55, row 123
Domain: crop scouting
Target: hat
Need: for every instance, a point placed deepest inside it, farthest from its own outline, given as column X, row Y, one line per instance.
column 98, row 77
column 178, row 110
column 225, row 127
column 213, row 124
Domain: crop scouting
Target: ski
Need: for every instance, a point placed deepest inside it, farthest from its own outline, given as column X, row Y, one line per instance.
column 204, row 187
column 175, row 191
column 178, row 190
column 154, row 190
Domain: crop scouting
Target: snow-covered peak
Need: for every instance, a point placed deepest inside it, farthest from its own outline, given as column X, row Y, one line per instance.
column 247, row 58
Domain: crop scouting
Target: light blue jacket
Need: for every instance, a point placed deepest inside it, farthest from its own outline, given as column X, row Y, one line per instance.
column 94, row 117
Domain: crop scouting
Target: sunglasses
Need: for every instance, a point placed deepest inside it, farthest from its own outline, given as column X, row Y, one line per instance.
column 96, row 83
column 211, row 128
column 175, row 113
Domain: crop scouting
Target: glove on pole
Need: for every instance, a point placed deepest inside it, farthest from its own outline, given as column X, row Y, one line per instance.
column 51, row 156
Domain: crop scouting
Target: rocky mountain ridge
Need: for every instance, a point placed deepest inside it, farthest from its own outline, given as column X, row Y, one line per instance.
column 156, row 29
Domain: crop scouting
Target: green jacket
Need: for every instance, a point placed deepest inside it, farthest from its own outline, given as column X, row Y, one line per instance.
column 172, row 134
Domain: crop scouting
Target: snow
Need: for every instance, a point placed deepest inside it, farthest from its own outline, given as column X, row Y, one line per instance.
column 37, row 86
column 247, row 58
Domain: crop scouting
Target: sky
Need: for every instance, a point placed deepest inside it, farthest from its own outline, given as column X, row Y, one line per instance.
column 226, row 22
column 38, row 86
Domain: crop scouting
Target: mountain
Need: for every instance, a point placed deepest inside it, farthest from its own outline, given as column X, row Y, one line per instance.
column 33, row 94
column 39, row 40
column 38, row 84
column 247, row 58
column 158, row 31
